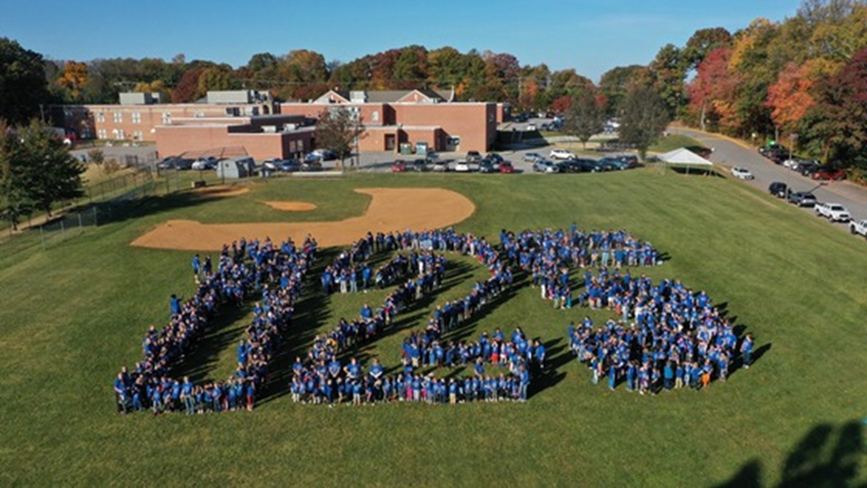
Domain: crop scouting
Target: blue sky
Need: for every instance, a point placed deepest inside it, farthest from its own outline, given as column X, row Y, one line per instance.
column 589, row 36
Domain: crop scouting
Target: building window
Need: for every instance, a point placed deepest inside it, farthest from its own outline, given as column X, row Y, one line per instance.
column 118, row 117
column 374, row 116
column 85, row 133
column 167, row 118
column 120, row 134
column 100, row 116
column 101, row 134
column 137, row 135
column 136, row 117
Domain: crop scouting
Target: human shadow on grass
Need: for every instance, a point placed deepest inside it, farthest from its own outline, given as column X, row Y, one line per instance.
column 455, row 275
column 557, row 356
column 310, row 313
column 826, row 456
column 204, row 353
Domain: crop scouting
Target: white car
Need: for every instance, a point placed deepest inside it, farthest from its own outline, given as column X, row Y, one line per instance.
column 742, row 173
column 463, row 167
column 561, row 154
column 833, row 212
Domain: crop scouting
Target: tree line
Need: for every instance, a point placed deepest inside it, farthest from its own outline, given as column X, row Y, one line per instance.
column 804, row 75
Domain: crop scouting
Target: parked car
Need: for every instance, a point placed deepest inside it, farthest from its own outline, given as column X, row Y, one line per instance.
column 399, row 166
column 833, row 212
column 205, row 163
column 506, row 167
column 561, row 154
column 829, row 173
column 473, row 156
column 778, row 189
column 631, row 160
column 742, row 173
column 545, row 166
column 441, row 166
column 802, row 199
column 606, row 164
column 486, row 166
column 495, row 159
column 175, row 162
column 859, row 227
column 808, row 168
column 314, row 164
column 774, row 152
column 463, row 167
column 531, row 157
column 289, row 165
column 325, row 154
column 418, row 165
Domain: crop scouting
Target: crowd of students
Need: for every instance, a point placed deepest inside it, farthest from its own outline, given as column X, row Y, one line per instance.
column 245, row 269
column 675, row 338
column 549, row 255
column 321, row 378
column 333, row 383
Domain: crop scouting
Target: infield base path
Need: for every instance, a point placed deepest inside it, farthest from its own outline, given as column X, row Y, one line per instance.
column 390, row 209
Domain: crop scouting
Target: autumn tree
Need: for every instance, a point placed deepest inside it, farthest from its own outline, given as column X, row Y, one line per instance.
column 585, row 117
column 702, row 43
column 790, row 96
column 644, row 118
column 836, row 126
column 712, row 90
column 338, row 129
column 73, row 79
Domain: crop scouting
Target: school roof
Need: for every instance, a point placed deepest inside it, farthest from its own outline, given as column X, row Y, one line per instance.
column 684, row 156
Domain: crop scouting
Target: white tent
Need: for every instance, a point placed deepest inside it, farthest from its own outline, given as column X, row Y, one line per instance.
column 684, row 156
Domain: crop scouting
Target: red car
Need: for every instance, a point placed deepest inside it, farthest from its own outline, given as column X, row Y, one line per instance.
column 829, row 174
column 398, row 166
column 506, row 167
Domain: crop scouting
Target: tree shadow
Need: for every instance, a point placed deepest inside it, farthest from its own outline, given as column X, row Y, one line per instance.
column 825, row 456
column 311, row 313
column 204, row 354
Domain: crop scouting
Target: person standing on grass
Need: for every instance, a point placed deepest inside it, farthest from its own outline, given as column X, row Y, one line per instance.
column 197, row 266
column 121, row 395
column 747, row 350
column 175, row 304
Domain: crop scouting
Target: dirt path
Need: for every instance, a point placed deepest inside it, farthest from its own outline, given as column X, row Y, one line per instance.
column 389, row 210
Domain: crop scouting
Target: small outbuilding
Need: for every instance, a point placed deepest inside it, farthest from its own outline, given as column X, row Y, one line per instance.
column 234, row 168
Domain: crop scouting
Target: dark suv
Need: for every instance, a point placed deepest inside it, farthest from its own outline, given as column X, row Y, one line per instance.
column 778, row 189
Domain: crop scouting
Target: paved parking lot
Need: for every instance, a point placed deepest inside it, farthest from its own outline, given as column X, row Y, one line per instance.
column 729, row 153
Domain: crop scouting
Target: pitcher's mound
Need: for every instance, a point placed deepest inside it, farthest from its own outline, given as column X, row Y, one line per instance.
column 292, row 206
column 390, row 209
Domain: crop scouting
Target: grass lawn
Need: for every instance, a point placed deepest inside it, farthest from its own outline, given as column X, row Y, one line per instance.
column 676, row 141
column 74, row 314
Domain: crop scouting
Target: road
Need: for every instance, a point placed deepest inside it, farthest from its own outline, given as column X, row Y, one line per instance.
column 730, row 153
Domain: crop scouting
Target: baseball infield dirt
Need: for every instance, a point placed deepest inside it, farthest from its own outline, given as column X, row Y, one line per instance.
column 390, row 209
column 292, row 206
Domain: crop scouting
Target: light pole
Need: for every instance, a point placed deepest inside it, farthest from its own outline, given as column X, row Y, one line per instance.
column 792, row 138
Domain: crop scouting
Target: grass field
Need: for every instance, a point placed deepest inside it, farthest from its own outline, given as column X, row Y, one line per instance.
column 74, row 314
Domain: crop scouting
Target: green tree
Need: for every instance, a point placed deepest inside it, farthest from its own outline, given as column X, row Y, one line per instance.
column 52, row 174
column 23, row 86
column 644, row 118
column 585, row 117
column 14, row 200
column 338, row 129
